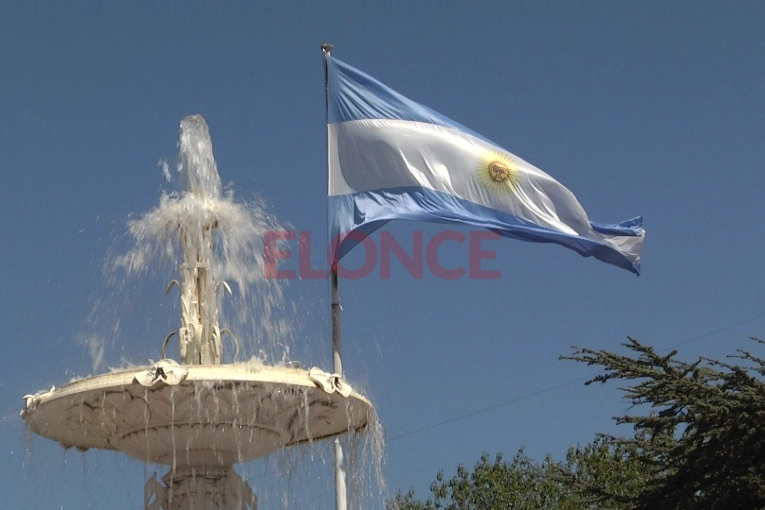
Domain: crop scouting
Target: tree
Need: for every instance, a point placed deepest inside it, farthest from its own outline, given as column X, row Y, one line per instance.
column 698, row 444
column 605, row 474
column 704, row 433
column 524, row 484
column 520, row 484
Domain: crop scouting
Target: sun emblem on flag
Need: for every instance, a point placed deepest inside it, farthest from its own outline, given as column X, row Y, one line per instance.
column 498, row 172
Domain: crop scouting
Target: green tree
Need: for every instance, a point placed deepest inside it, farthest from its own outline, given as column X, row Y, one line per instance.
column 524, row 484
column 605, row 474
column 698, row 442
column 703, row 432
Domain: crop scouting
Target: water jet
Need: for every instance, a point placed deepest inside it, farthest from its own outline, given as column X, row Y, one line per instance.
column 199, row 416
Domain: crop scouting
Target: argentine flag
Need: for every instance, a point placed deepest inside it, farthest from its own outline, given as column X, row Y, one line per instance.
column 391, row 158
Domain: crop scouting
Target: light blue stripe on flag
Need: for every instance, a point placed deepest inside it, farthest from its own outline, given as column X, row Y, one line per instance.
column 355, row 95
column 392, row 158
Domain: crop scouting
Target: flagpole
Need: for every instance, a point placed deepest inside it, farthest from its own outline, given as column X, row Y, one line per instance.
column 341, row 500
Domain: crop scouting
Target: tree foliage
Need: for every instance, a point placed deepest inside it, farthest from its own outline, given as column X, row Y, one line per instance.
column 599, row 475
column 698, row 442
column 703, row 434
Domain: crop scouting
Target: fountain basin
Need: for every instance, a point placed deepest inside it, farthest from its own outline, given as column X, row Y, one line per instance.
column 218, row 415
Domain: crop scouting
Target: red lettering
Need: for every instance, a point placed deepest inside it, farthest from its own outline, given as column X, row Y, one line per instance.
column 388, row 245
column 370, row 257
column 431, row 254
column 306, row 271
column 477, row 255
column 271, row 254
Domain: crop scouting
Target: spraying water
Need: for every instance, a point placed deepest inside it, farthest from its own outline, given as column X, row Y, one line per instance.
column 199, row 173
column 203, row 416
column 220, row 244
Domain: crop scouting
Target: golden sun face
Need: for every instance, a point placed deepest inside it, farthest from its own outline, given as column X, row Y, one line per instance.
column 498, row 172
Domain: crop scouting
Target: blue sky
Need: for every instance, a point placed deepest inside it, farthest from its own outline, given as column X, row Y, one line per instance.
column 653, row 108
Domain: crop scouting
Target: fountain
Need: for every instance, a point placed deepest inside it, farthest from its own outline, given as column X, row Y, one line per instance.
column 201, row 416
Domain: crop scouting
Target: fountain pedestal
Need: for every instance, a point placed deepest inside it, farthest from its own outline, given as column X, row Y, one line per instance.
column 199, row 489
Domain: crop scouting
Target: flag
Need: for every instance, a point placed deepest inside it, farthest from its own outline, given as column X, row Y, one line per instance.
column 391, row 158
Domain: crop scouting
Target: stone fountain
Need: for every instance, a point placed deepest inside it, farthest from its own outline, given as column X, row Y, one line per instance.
column 200, row 417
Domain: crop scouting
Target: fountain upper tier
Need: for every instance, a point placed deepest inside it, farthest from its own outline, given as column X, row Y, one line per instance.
column 208, row 227
column 215, row 415
column 214, row 244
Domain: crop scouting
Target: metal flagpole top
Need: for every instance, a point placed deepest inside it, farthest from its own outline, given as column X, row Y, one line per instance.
column 327, row 47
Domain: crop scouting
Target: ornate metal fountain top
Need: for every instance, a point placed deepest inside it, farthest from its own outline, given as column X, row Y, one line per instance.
column 199, row 335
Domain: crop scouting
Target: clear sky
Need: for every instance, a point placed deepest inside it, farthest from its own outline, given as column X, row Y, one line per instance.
column 649, row 108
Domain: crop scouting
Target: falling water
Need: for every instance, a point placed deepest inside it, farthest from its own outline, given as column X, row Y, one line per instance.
column 226, row 240
column 260, row 322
